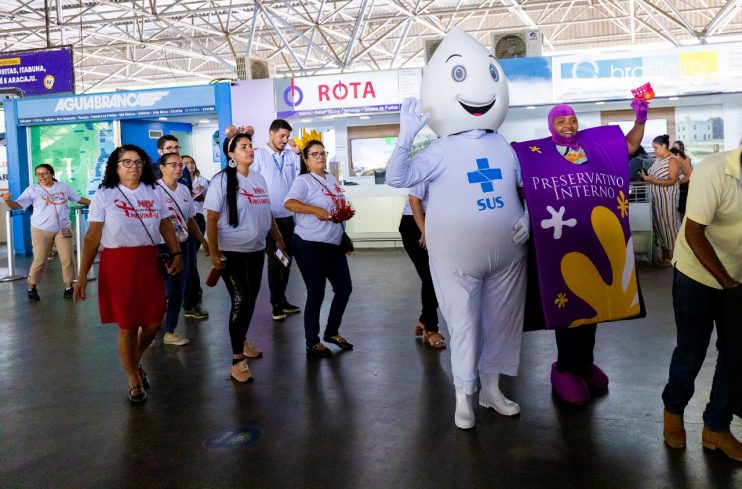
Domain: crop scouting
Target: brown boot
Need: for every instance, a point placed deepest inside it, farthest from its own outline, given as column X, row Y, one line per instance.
column 674, row 431
column 724, row 441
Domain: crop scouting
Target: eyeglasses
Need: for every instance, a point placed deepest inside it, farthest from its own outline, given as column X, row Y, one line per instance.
column 42, row 174
column 175, row 165
column 317, row 154
column 171, row 149
column 130, row 163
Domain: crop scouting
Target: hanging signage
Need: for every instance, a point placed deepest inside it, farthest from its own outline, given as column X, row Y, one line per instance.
column 681, row 71
column 529, row 80
column 118, row 105
column 350, row 93
column 41, row 72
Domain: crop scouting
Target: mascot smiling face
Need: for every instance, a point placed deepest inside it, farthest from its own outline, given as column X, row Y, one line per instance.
column 463, row 87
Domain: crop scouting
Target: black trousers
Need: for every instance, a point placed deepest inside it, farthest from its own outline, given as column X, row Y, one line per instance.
column 320, row 263
column 193, row 291
column 278, row 275
column 419, row 256
column 242, row 274
column 575, row 348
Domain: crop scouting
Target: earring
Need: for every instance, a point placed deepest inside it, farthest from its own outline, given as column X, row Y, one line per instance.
column 232, row 163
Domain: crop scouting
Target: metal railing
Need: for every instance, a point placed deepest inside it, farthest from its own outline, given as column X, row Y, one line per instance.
column 11, row 276
column 80, row 228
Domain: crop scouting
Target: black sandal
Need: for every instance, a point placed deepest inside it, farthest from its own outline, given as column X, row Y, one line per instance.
column 137, row 393
column 145, row 378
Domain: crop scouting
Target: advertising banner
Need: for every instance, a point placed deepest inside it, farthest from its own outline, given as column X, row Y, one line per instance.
column 41, row 72
column 347, row 93
column 529, row 80
column 3, row 166
column 119, row 105
column 680, row 71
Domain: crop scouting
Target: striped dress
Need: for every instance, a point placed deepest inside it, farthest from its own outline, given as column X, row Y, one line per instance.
column 664, row 205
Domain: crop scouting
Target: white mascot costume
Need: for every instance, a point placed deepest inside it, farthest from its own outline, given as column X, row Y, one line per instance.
column 475, row 224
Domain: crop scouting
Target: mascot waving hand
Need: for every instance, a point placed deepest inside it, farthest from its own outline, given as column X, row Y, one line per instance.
column 476, row 226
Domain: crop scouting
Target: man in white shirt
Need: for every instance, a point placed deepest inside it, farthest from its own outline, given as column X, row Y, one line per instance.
column 279, row 166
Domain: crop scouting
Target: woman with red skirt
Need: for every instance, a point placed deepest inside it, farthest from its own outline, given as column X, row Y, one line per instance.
column 126, row 214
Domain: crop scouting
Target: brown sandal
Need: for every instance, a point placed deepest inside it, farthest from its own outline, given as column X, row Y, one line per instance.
column 433, row 338
column 137, row 393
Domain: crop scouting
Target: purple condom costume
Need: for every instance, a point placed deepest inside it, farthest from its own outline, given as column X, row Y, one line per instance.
column 577, row 193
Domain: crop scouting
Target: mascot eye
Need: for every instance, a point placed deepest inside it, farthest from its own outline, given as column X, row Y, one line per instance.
column 493, row 73
column 458, row 73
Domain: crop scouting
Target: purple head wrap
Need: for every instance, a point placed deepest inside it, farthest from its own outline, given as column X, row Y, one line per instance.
column 561, row 110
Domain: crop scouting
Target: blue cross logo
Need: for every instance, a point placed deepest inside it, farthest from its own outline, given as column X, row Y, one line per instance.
column 485, row 175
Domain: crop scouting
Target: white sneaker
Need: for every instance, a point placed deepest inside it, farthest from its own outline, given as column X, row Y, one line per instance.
column 464, row 417
column 241, row 372
column 491, row 397
column 175, row 339
column 252, row 351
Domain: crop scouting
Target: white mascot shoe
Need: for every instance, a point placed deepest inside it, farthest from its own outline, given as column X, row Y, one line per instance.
column 464, row 417
column 491, row 397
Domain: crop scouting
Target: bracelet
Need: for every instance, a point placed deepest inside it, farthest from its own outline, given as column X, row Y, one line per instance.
column 173, row 254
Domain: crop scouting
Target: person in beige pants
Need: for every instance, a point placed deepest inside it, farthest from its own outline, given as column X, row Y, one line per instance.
column 50, row 224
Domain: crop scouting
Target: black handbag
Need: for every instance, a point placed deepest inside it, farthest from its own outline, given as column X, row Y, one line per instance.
column 346, row 244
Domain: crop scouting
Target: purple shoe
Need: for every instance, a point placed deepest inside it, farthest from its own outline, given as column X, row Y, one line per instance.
column 571, row 388
column 597, row 380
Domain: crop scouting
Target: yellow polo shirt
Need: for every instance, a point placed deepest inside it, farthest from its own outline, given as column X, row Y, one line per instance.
column 714, row 200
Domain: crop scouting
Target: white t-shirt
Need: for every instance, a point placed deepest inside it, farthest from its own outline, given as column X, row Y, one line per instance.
column 421, row 192
column 180, row 205
column 50, row 209
column 121, row 226
column 253, row 212
column 307, row 189
column 279, row 171
column 200, row 186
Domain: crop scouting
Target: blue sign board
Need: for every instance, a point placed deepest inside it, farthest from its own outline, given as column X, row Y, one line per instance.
column 118, row 105
column 41, row 72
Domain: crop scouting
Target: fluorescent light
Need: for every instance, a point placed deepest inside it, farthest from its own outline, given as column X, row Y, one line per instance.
column 305, row 120
column 364, row 117
column 204, row 121
column 600, row 103
column 162, row 118
column 530, row 107
column 674, row 98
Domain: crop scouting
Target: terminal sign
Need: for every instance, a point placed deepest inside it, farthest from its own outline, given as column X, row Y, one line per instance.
column 41, row 72
column 368, row 92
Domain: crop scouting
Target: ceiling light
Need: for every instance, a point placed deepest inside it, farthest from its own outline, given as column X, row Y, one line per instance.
column 204, row 121
column 162, row 118
column 364, row 117
column 600, row 103
column 530, row 107
column 674, row 98
column 305, row 120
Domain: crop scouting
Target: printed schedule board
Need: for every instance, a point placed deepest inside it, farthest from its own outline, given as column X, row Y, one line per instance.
column 40, row 72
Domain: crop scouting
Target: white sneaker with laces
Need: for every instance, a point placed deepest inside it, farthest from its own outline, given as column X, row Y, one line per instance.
column 175, row 339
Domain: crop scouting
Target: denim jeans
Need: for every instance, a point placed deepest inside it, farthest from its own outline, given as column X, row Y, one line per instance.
column 193, row 291
column 174, row 288
column 319, row 263
column 697, row 308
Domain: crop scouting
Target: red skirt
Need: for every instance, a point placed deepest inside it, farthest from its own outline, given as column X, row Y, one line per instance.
column 131, row 292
